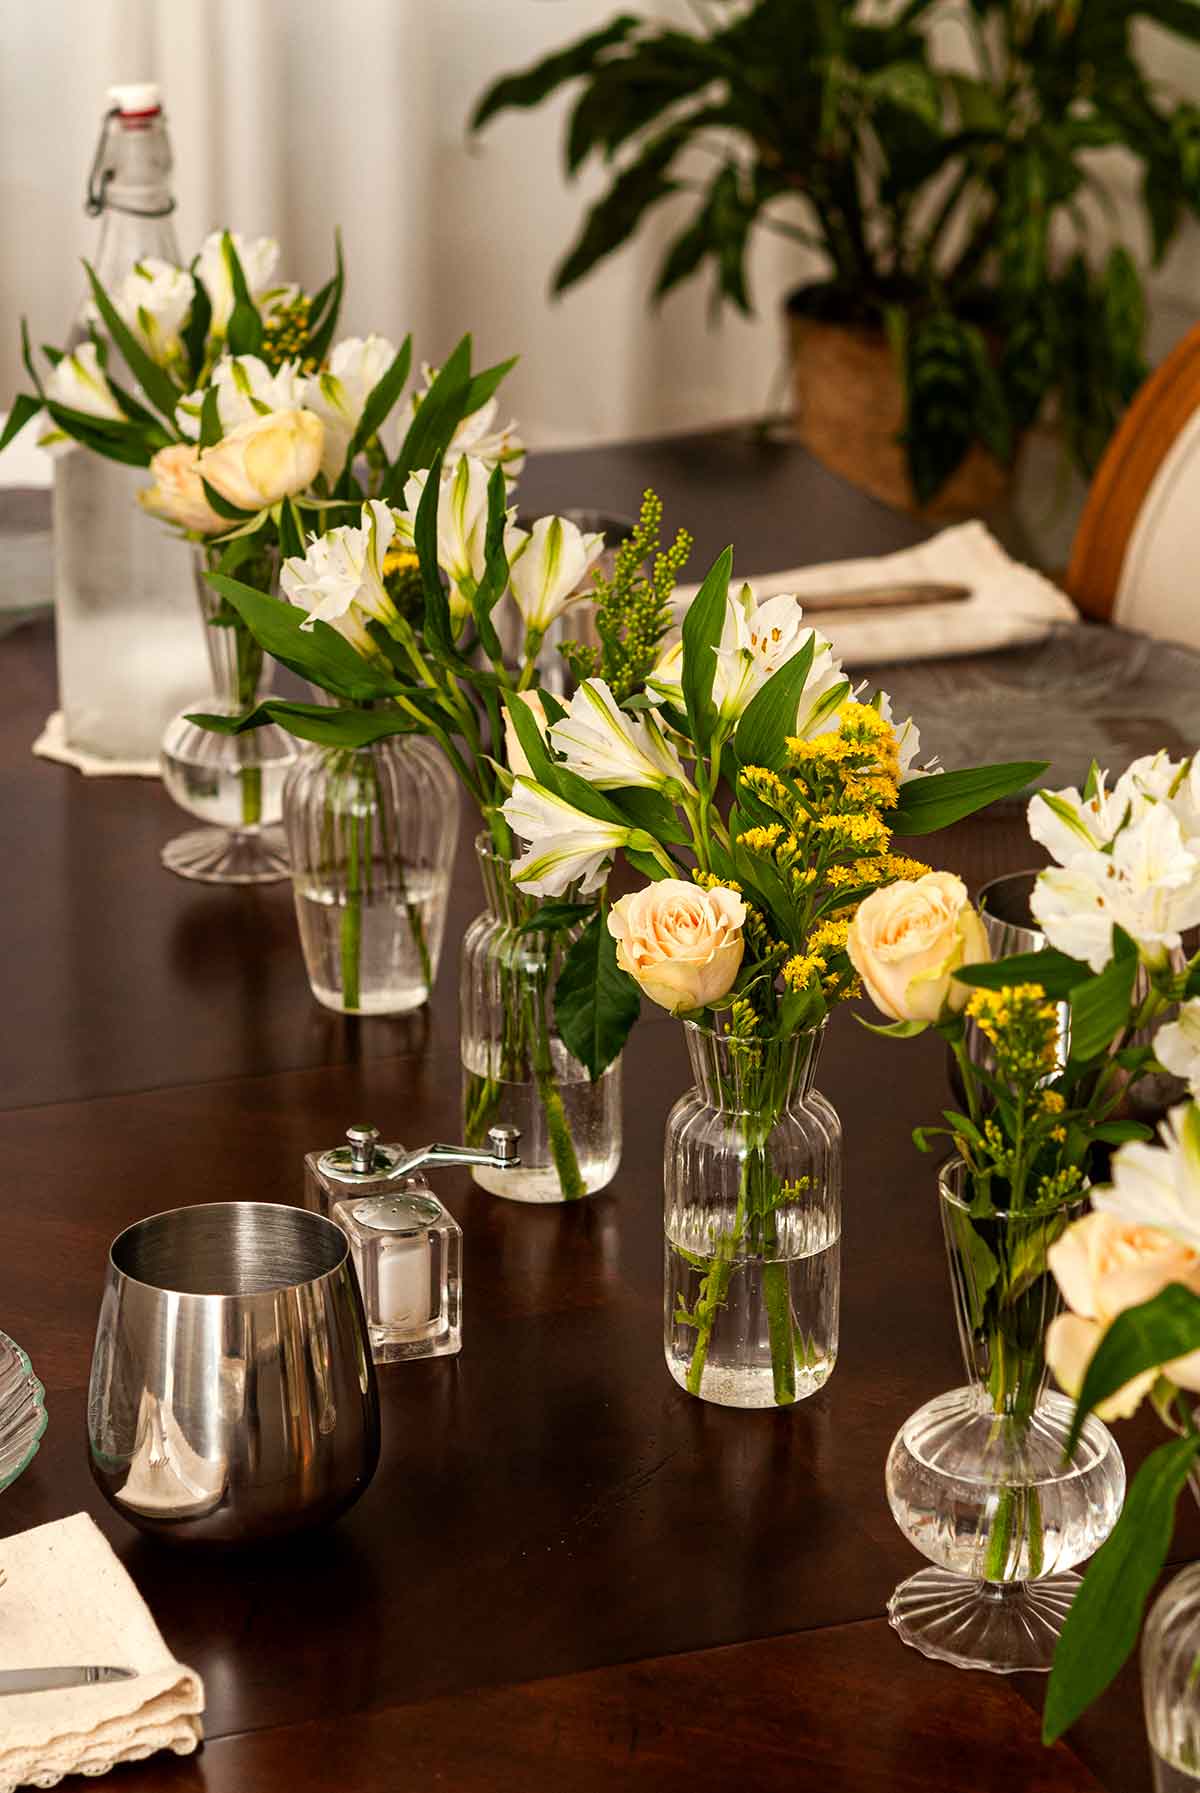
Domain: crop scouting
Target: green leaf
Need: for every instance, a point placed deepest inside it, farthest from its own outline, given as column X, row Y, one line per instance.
column 158, row 386
column 1054, row 971
column 23, row 408
column 1106, row 1614
column 326, row 306
column 380, row 399
column 318, row 653
column 911, row 87
column 927, row 804
column 1100, row 1007
column 894, row 1030
column 210, row 422
column 438, row 416
column 702, row 625
column 770, row 716
column 595, row 1002
column 534, row 84
column 313, row 722
column 1140, row 1339
column 439, row 629
column 492, row 586
column 127, row 445
column 651, row 811
column 195, row 333
column 244, row 333
column 484, row 384
column 532, row 742
column 218, row 502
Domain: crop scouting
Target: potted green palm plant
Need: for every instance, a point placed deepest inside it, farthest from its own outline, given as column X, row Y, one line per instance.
column 939, row 156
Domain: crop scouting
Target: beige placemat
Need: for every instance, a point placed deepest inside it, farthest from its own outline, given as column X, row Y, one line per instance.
column 66, row 1600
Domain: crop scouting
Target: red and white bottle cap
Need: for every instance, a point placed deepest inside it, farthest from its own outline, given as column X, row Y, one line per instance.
column 136, row 99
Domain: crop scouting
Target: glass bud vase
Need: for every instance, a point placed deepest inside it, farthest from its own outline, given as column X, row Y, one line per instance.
column 978, row 1479
column 232, row 782
column 752, row 1178
column 516, row 1070
column 372, row 833
column 1170, row 1684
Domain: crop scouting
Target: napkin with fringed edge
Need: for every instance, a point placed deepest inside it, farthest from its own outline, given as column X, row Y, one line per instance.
column 1010, row 605
column 67, row 1601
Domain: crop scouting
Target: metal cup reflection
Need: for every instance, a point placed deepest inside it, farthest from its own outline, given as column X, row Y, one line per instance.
column 232, row 1393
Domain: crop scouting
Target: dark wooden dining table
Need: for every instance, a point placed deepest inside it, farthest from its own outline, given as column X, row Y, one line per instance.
column 567, row 1573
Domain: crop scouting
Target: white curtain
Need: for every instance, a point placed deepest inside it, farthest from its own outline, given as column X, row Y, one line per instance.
column 291, row 117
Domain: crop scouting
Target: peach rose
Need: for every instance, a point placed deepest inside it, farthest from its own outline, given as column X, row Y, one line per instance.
column 907, row 940
column 266, row 459
column 177, row 496
column 681, row 944
column 1104, row 1265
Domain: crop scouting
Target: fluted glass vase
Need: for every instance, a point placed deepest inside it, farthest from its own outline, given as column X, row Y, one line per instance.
column 516, row 1070
column 234, row 783
column 1170, row 1683
column 752, row 1178
column 978, row 1479
column 372, row 833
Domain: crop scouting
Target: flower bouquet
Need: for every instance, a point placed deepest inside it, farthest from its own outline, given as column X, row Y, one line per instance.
column 1041, row 1112
column 392, row 612
column 747, row 781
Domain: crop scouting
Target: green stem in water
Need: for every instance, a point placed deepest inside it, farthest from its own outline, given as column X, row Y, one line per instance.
column 717, row 1288
column 777, row 1298
column 351, row 930
column 558, row 1131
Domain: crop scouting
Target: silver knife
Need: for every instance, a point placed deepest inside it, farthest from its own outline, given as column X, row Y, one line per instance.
column 900, row 596
column 44, row 1680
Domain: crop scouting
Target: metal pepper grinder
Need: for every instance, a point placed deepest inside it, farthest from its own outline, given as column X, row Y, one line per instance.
column 406, row 1247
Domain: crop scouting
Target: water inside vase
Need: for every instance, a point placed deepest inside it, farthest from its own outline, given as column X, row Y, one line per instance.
column 399, row 925
column 740, row 1369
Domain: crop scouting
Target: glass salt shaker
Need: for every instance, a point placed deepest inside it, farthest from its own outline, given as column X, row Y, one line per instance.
column 406, row 1247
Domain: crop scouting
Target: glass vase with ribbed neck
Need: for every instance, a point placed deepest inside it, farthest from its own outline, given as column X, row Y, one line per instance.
column 979, row 1479
column 752, row 1180
column 516, row 1070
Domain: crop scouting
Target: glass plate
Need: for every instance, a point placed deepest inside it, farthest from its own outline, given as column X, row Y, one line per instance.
column 22, row 1411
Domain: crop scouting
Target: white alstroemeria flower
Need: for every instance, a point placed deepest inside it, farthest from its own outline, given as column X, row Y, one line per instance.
column 258, row 256
column 547, row 574
column 462, row 518
column 339, row 392
column 1067, row 823
column 1147, row 881
column 666, row 680
column 246, row 388
column 339, row 580
column 563, row 844
column 476, row 435
column 154, row 300
column 79, row 382
column 1157, row 778
column 1177, row 1045
column 615, row 751
column 756, row 640
column 1153, row 1186
column 908, row 743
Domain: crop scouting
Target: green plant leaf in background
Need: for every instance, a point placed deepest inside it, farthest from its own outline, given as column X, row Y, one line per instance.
column 244, row 332
column 314, row 722
column 437, row 417
column 595, row 1002
column 318, row 653
column 1103, row 1623
column 158, row 386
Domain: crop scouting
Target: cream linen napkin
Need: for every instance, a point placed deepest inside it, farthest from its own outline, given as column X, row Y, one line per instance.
column 1009, row 605
column 66, row 1600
